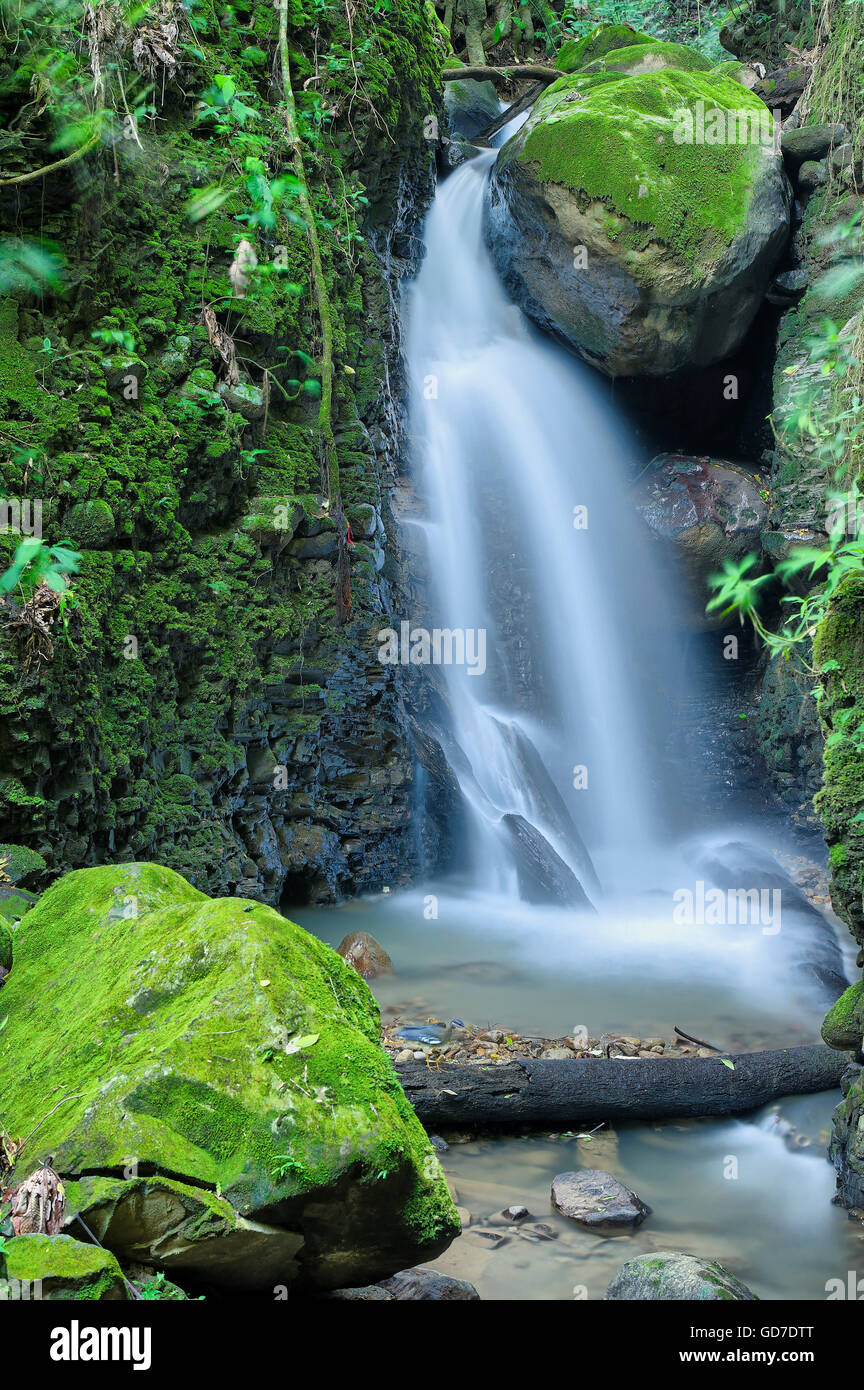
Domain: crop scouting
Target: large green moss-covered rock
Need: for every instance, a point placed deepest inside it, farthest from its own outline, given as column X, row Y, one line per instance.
column 618, row 225
column 214, row 1044
column 52, row 1268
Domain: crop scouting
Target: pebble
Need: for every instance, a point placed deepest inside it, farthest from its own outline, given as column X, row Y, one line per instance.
column 406, row 1055
column 515, row 1213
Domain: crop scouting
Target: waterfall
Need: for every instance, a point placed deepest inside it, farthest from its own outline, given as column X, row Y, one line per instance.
column 533, row 543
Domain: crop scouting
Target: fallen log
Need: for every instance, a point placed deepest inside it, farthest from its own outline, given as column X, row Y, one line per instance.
column 509, row 113
column 561, row 1094
column 536, row 71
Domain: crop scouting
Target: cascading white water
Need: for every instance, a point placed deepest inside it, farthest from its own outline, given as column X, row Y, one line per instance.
column 525, row 470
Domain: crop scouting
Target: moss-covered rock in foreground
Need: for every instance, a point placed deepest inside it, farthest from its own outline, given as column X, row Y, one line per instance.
column 213, row 1045
column 639, row 217
column 668, row 1275
column 57, row 1267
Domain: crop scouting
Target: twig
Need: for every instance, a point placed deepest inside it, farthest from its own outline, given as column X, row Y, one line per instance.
column 50, row 168
column 700, row 1042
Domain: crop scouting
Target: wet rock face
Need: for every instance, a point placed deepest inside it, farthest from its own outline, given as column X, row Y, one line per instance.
column 470, row 106
column 216, row 1008
column 846, row 1149
column 710, row 510
column 195, row 508
column 668, row 1275
column 597, row 1200
column 645, row 254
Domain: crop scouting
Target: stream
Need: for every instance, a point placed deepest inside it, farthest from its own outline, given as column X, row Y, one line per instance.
column 562, row 741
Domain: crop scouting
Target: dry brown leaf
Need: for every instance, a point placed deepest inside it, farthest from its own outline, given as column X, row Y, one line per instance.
column 38, row 1204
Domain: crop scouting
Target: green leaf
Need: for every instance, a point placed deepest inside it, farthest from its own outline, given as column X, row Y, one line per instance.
column 298, row 1044
column 727, row 1063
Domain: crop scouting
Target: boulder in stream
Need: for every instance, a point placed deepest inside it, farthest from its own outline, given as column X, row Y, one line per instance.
column 365, row 954
column 470, row 106
column 595, row 1199
column 639, row 218
column 209, row 1081
column 667, row 1275
column 544, row 878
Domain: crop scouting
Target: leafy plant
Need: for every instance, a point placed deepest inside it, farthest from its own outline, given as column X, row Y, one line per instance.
column 35, row 563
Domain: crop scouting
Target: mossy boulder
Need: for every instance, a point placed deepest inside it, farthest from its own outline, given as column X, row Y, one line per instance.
column 54, row 1268
column 605, row 38
column 668, row 1275
column 844, row 1024
column 619, row 225
column 639, row 58
column 91, row 524
column 20, row 864
column 215, row 1044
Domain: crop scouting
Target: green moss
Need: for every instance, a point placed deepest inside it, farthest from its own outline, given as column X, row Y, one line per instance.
column 21, row 864
column 5, row 945
column 840, row 802
column 65, row 1268
column 844, row 1024
column 90, row 524
column 612, row 138
column 653, row 57
column 89, row 748
column 198, row 997
column 605, row 38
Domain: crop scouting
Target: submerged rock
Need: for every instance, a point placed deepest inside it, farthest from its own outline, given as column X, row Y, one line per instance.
column 646, row 253
column 214, row 1041
column 414, row 1284
column 667, row 1275
column 596, row 1199
column 365, row 954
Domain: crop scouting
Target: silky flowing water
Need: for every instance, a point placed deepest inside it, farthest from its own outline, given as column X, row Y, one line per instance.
column 738, row 1192
column 568, row 728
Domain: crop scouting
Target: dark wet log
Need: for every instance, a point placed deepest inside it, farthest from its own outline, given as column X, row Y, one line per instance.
column 512, row 111
column 562, row 1094
column 536, row 71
